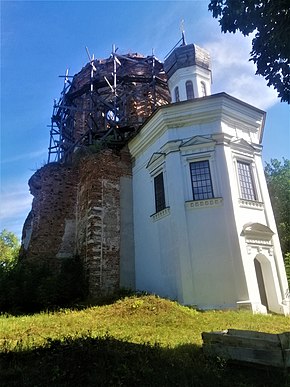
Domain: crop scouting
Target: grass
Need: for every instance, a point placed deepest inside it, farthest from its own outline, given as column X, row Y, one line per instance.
column 138, row 341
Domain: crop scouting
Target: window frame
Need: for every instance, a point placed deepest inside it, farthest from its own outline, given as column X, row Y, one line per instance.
column 159, row 190
column 210, row 194
column 253, row 196
column 176, row 94
column 189, row 90
column 157, row 165
column 203, row 89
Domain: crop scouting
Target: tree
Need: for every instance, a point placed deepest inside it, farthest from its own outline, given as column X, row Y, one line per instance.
column 287, row 266
column 270, row 19
column 278, row 180
column 9, row 249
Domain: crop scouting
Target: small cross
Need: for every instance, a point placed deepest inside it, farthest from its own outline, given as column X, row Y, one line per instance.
column 182, row 32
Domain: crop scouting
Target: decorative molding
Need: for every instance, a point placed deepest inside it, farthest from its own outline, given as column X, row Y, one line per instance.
column 171, row 146
column 197, row 141
column 258, row 237
column 206, row 203
column 243, row 145
column 156, row 161
column 206, row 110
column 251, row 204
column 161, row 214
column 197, row 144
column 155, row 157
column 201, row 154
column 255, row 247
column 259, row 242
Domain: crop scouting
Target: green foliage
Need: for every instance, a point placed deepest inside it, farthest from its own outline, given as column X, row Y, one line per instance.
column 270, row 19
column 137, row 341
column 278, row 181
column 29, row 287
column 9, row 249
column 287, row 266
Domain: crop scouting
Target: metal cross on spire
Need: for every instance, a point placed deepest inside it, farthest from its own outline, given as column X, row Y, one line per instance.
column 182, row 32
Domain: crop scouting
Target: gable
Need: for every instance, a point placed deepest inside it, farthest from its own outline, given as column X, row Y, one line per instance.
column 242, row 145
column 198, row 142
column 257, row 231
column 155, row 160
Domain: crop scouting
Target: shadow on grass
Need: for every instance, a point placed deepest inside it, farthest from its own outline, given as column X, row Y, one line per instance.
column 109, row 362
column 33, row 307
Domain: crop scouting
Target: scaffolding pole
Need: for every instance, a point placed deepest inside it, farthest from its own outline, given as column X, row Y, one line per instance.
column 103, row 103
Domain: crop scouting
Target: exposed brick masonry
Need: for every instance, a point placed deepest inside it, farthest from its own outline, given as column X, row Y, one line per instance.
column 76, row 210
column 76, row 206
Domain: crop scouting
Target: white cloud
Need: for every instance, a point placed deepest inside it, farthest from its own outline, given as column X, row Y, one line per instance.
column 15, row 206
column 232, row 71
column 25, row 156
column 14, row 203
column 234, row 74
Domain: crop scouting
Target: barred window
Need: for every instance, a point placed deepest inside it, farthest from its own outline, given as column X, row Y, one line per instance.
column 189, row 90
column 247, row 187
column 176, row 93
column 159, row 192
column 201, row 180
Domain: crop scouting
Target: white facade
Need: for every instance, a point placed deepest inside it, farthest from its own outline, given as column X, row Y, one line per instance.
column 201, row 83
column 221, row 251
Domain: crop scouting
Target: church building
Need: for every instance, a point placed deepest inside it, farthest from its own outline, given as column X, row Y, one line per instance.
column 204, row 228
column 186, row 214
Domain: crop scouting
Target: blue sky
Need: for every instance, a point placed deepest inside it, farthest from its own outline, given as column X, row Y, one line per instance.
column 41, row 39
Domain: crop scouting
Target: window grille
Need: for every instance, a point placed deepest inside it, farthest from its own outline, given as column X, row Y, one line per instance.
column 201, row 180
column 247, row 187
column 189, row 90
column 176, row 93
column 159, row 192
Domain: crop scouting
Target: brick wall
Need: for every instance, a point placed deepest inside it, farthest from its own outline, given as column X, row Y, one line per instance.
column 54, row 188
column 76, row 210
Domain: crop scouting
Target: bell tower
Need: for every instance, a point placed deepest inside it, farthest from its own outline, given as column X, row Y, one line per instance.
column 188, row 69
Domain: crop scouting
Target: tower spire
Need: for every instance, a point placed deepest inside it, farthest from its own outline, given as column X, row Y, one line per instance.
column 182, row 33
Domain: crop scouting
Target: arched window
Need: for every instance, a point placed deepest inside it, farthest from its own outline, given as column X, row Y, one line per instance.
column 189, row 90
column 176, row 94
column 203, row 89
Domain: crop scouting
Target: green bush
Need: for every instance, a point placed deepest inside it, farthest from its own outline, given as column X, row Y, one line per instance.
column 31, row 287
column 9, row 250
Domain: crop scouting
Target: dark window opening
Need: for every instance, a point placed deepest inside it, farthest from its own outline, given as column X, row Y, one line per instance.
column 261, row 283
column 159, row 192
column 248, row 191
column 189, row 90
column 201, row 180
column 176, row 93
column 203, row 89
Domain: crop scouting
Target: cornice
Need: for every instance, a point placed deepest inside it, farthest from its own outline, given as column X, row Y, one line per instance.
column 185, row 72
column 214, row 108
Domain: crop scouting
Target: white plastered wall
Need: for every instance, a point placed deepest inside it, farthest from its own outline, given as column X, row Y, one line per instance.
column 195, row 251
column 197, row 75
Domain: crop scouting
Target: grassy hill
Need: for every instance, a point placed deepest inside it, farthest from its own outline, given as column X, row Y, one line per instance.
column 137, row 341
